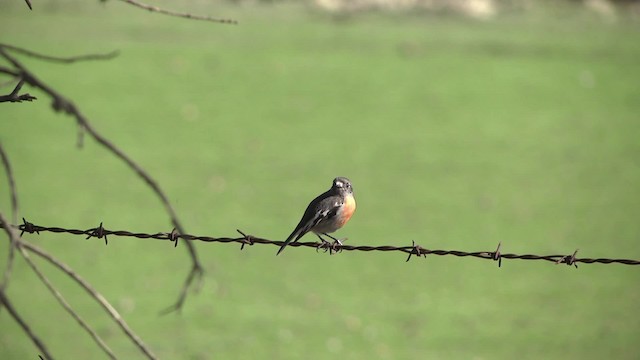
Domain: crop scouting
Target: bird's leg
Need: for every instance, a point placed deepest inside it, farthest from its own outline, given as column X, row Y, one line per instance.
column 335, row 242
column 324, row 243
column 332, row 247
column 339, row 241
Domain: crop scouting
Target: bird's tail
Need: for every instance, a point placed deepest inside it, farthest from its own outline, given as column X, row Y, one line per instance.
column 294, row 235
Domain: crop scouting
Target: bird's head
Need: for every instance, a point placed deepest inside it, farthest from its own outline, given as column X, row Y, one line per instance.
column 342, row 184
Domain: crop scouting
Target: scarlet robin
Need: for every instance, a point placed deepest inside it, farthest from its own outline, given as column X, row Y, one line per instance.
column 326, row 213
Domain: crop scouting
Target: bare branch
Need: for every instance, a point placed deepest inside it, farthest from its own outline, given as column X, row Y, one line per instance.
column 183, row 293
column 60, row 103
column 177, row 14
column 65, row 60
column 12, row 184
column 14, row 215
column 66, row 305
column 113, row 313
column 8, row 71
column 15, row 242
column 196, row 270
column 14, row 314
column 15, row 97
column 13, row 238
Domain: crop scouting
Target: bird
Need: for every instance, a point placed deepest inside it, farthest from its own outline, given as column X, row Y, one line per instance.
column 326, row 213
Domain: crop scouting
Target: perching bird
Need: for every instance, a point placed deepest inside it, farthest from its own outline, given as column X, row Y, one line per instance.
column 326, row 213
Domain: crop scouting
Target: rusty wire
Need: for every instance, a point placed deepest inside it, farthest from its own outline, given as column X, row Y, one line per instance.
column 413, row 249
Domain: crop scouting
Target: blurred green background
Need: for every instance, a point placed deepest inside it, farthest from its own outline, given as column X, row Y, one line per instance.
column 457, row 133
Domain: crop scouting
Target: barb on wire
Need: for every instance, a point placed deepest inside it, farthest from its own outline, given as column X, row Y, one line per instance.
column 248, row 239
column 496, row 255
column 569, row 259
column 98, row 233
column 413, row 249
column 173, row 236
column 28, row 227
column 178, row 14
column 61, row 103
column 417, row 250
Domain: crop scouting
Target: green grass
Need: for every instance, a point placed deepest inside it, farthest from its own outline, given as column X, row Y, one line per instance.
column 456, row 133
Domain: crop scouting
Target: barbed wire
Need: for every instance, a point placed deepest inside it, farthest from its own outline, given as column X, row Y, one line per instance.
column 414, row 249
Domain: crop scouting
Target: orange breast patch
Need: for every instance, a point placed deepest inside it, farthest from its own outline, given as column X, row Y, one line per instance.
column 348, row 209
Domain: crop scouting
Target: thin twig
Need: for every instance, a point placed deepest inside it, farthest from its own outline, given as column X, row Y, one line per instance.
column 15, row 96
column 14, row 215
column 66, row 305
column 183, row 294
column 196, row 270
column 60, row 103
column 11, row 72
column 14, row 314
column 177, row 14
column 113, row 313
column 12, row 184
column 64, row 60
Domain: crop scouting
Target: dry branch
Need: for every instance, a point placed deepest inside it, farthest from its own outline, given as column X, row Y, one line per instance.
column 14, row 216
column 61, row 103
column 177, row 14
column 113, row 313
column 14, row 314
column 12, row 184
column 66, row 305
column 64, row 60
column 16, row 242
column 13, row 239
column 14, row 96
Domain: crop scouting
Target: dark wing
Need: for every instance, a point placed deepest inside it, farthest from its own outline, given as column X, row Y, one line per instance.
column 331, row 207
